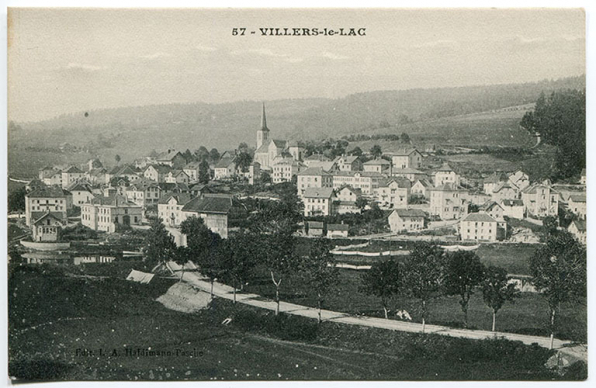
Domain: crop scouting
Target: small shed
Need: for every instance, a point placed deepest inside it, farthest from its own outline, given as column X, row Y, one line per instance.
column 314, row 228
column 337, row 230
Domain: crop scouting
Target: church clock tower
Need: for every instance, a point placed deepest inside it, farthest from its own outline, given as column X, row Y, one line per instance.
column 263, row 133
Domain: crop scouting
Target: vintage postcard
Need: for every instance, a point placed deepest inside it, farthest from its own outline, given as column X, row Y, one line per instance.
column 296, row 194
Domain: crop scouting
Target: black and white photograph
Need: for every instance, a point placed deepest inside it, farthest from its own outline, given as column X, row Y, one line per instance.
column 296, row 194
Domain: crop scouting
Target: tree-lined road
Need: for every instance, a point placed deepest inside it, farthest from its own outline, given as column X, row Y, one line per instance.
column 226, row 292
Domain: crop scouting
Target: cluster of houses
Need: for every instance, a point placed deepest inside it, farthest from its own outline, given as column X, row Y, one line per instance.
column 122, row 196
column 395, row 181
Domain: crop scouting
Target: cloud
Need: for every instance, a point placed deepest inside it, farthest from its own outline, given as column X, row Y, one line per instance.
column 207, row 49
column 333, row 56
column 156, row 55
column 83, row 67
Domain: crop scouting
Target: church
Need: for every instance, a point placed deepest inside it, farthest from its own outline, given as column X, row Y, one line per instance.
column 272, row 151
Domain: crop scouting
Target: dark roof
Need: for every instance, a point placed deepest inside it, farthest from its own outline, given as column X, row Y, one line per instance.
column 315, row 225
column 314, row 171
column 445, row 168
column 209, row 203
column 224, row 163
column 73, row 170
column 377, row 161
column 318, row 192
column 446, row 187
column 489, row 205
column 339, row 227
column 512, row 202
column 173, row 186
column 481, row 217
column 37, row 217
column 48, row 192
column 409, row 213
column 404, row 151
column 78, row 186
column 580, row 225
column 168, row 155
column 577, row 197
column 423, row 182
column 160, row 168
column 114, row 200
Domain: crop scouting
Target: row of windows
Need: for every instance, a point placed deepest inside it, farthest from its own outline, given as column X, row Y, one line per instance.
column 46, row 229
column 47, row 201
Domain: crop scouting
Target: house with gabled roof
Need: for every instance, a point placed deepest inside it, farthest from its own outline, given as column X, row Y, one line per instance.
column 47, row 228
column 578, row 229
column 337, row 230
column 70, row 175
column 420, row 187
column 143, row 192
column 348, row 163
column 504, row 190
column 93, row 164
column 81, row 193
column 213, row 209
column 313, row 177
column 107, row 213
column 493, row 209
column 169, row 209
column 192, row 169
column 315, row 228
column 319, row 201
column 541, row 200
column 482, row 227
column 379, row 165
column 225, row 169
column 285, row 168
column 448, row 201
column 53, row 199
column 409, row 173
column 408, row 157
column 156, row 173
column 364, row 180
column 490, row 182
column 576, row 203
column 393, row 192
column 407, row 220
column 177, row 176
column 171, row 158
column 513, row 208
column 519, row 179
column 446, row 175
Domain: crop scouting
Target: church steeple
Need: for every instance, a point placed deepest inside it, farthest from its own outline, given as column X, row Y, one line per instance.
column 264, row 120
column 263, row 132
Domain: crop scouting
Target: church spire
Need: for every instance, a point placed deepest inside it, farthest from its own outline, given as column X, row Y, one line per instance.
column 264, row 120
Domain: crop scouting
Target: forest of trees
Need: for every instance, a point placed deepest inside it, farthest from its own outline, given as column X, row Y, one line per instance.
column 560, row 120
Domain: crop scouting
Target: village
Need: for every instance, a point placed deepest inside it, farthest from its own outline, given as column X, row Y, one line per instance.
column 410, row 201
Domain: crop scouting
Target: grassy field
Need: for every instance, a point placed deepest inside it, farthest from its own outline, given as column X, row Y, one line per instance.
column 528, row 315
column 55, row 321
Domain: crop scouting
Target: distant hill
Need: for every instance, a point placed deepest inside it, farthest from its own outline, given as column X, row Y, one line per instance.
column 135, row 131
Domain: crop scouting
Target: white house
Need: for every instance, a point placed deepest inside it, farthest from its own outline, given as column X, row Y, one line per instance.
column 349, row 163
column 577, row 205
column 313, row 177
column 504, row 190
column 407, row 220
column 337, row 230
column 71, row 175
column 541, row 200
column 406, row 158
column 106, row 213
column 51, row 199
column 393, row 192
column 482, row 227
column 578, row 229
column 445, row 175
column 379, row 165
column 447, row 201
column 318, row 201
column 81, row 193
column 513, row 208
column 519, row 179
column 420, row 188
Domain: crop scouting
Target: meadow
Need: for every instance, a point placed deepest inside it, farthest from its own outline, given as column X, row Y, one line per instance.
column 57, row 320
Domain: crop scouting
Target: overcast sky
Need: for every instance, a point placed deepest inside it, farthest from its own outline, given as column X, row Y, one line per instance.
column 63, row 61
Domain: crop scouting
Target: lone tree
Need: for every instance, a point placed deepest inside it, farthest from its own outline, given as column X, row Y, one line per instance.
column 203, row 247
column 214, row 155
column 159, row 244
column 496, row 291
column 361, row 203
column 376, row 151
column 237, row 258
column 463, row 273
column 243, row 161
column 182, row 256
column 559, row 273
column 117, row 158
column 422, row 274
column 382, row 280
column 277, row 256
column 204, row 174
column 405, row 138
column 319, row 271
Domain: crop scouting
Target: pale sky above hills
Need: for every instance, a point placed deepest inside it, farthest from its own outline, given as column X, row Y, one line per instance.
column 63, row 61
